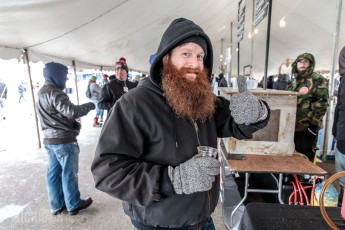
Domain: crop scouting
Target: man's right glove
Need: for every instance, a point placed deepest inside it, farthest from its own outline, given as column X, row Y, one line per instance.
column 245, row 107
column 195, row 175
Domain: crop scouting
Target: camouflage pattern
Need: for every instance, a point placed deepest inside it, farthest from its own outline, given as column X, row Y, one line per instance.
column 312, row 106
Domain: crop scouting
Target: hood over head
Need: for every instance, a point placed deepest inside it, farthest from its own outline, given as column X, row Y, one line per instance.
column 181, row 31
column 56, row 73
column 310, row 69
column 342, row 62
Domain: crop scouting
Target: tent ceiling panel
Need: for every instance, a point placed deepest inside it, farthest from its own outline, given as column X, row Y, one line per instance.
column 95, row 33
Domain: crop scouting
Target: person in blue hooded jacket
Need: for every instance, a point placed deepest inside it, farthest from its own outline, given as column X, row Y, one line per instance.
column 59, row 122
column 147, row 151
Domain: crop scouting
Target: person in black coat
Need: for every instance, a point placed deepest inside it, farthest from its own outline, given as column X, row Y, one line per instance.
column 338, row 129
column 222, row 81
column 114, row 89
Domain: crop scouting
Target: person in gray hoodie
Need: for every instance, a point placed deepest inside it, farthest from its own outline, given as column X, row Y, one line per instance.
column 147, row 151
column 338, row 129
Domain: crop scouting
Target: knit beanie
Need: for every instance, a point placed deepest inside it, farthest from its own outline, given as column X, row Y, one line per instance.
column 122, row 64
column 93, row 78
column 56, row 73
column 198, row 40
column 180, row 31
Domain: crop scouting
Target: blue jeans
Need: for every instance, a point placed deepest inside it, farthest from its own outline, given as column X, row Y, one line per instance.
column 99, row 112
column 62, row 176
column 340, row 165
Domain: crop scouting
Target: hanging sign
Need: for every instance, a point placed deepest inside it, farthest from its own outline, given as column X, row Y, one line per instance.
column 261, row 10
column 240, row 19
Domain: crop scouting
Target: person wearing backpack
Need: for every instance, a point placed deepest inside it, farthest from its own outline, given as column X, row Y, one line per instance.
column 94, row 93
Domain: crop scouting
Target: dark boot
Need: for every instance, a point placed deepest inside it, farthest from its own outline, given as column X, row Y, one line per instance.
column 95, row 122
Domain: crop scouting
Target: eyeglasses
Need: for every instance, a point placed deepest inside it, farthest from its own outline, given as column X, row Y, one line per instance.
column 304, row 62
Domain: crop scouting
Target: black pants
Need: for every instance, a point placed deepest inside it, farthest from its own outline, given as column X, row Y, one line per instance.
column 305, row 143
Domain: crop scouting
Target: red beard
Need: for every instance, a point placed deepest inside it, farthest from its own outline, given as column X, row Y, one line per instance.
column 189, row 98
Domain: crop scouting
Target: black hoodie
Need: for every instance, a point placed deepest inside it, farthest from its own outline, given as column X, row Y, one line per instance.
column 179, row 30
column 143, row 136
column 338, row 129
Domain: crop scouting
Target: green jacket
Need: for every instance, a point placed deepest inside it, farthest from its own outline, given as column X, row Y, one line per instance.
column 312, row 106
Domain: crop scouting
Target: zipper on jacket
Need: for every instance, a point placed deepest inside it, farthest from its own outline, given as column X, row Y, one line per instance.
column 174, row 129
column 197, row 137
column 196, row 131
column 209, row 200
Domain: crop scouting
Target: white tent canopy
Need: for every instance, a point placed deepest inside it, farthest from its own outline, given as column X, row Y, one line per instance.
column 96, row 33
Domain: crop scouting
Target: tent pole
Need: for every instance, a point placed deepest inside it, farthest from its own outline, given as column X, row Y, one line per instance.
column 75, row 80
column 268, row 41
column 252, row 40
column 231, row 48
column 27, row 62
column 238, row 58
column 328, row 128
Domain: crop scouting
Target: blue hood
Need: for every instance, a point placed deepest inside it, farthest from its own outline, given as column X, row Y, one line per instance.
column 56, row 73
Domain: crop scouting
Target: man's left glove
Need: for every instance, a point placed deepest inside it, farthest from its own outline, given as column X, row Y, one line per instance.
column 91, row 105
column 245, row 107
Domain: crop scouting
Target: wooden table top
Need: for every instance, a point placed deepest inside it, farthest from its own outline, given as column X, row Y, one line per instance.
column 258, row 91
column 294, row 164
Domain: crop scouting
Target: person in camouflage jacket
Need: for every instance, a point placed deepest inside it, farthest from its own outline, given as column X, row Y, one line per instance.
column 312, row 103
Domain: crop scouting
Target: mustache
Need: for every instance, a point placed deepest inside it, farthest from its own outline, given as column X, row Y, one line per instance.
column 185, row 70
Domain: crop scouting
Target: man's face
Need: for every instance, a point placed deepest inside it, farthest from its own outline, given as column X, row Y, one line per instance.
column 121, row 74
column 302, row 65
column 189, row 55
column 186, row 86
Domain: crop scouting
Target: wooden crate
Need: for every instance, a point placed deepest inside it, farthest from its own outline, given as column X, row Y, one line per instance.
column 277, row 137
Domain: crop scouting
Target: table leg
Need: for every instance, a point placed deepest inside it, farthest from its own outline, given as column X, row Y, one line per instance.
column 243, row 199
column 280, row 185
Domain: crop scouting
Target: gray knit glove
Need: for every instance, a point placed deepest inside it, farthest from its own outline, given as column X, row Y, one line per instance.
column 245, row 107
column 195, row 175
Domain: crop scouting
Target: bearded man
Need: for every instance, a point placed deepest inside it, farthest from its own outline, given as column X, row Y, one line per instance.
column 312, row 103
column 147, row 152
